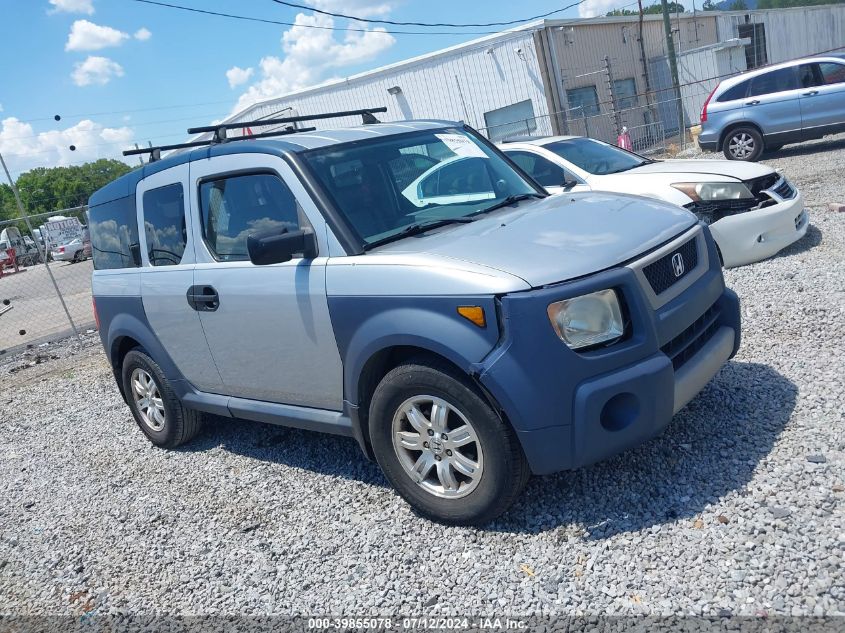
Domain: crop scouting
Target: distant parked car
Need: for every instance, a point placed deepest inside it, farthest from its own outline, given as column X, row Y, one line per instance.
column 70, row 252
column 769, row 107
column 753, row 212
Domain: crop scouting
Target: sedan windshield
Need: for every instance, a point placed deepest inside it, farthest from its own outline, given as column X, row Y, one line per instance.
column 596, row 157
column 385, row 185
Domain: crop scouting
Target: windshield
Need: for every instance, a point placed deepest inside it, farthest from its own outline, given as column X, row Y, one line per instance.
column 596, row 157
column 385, row 185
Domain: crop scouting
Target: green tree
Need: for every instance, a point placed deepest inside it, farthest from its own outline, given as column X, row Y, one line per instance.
column 654, row 9
column 738, row 5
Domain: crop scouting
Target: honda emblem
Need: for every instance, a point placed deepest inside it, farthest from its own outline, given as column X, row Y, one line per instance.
column 678, row 264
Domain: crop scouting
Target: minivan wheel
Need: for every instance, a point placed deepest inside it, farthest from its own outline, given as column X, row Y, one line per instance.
column 743, row 143
column 155, row 407
column 442, row 446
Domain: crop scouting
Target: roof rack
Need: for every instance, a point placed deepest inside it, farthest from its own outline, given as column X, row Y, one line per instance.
column 155, row 152
column 220, row 130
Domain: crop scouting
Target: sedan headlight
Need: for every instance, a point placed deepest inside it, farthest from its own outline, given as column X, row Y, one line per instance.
column 708, row 191
column 588, row 320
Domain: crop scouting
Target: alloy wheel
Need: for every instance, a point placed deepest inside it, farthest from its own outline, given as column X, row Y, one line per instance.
column 147, row 399
column 437, row 446
column 741, row 145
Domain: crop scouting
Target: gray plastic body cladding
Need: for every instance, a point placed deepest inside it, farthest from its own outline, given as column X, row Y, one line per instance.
column 554, row 396
column 364, row 326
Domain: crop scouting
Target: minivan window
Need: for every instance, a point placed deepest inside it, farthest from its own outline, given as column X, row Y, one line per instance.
column 832, row 73
column 539, row 168
column 234, row 207
column 114, row 234
column 736, row 92
column 164, row 225
column 774, row 81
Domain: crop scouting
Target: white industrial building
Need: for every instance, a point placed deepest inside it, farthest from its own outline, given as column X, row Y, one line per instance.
column 588, row 76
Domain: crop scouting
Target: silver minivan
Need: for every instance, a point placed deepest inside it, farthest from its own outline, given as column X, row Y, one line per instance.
column 764, row 109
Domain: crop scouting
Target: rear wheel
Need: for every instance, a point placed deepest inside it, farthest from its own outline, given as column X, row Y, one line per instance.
column 442, row 446
column 154, row 405
column 743, row 143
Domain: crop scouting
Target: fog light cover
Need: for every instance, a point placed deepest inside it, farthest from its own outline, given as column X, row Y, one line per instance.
column 588, row 320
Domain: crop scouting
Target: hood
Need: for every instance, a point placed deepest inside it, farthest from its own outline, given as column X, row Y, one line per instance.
column 730, row 169
column 557, row 238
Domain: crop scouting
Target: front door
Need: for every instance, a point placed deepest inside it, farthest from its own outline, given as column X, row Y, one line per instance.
column 268, row 327
column 167, row 258
column 822, row 97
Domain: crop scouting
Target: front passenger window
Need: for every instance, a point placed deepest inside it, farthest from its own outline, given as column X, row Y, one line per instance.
column 541, row 169
column 164, row 225
column 234, row 207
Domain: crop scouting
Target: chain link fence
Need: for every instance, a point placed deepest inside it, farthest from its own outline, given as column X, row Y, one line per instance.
column 42, row 301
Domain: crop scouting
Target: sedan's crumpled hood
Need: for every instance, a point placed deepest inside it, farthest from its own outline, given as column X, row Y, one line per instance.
column 729, row 169
column 557, row 238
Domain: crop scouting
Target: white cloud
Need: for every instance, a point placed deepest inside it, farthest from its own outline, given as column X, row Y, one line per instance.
column 24, row 149
column 142, row 34
column 310, row 54
column 593, row 8
column 238, row 76
column 87, row 36
column 96, row 70
column 73, row 6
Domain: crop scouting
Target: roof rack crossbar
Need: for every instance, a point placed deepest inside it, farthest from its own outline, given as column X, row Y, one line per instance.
column 155, row 152
column 366, row 113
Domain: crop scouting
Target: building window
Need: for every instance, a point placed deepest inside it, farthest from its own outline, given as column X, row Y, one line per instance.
column 755, row 51
column 513, row 120
column 625, row 91
column 584, row 101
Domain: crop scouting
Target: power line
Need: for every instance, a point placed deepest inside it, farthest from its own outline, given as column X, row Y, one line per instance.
column 430, row 24
column 307, row 26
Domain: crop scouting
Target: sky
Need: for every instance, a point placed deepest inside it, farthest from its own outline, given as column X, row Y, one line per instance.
column 119, row 72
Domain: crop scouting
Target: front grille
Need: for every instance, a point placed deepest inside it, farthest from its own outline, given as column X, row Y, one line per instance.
column 684, row 346
column 661, row 274
column 758, row 185
column 785, row 190
column 713, row 210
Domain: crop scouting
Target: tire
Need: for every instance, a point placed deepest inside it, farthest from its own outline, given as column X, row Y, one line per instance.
column 168, row 425
column 423, row 401
column 743, row 143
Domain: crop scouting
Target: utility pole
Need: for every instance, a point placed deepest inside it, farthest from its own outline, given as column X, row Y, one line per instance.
column 42, row 251
column 649, row 95
column 673, row 69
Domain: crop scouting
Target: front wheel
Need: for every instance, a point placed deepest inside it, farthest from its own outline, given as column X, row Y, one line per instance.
column 442, row 446
column 743, row 143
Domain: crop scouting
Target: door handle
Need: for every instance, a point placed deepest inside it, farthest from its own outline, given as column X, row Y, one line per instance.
column 810, row 93
column 203, row 298
column 755, row 102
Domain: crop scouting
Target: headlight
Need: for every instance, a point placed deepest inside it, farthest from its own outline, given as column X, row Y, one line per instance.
column 706, row 191
column 587, row 320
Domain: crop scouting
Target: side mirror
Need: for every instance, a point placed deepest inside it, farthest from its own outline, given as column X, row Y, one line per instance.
column 280, row 245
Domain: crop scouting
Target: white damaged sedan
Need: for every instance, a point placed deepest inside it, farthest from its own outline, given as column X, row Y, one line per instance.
column 753, row 211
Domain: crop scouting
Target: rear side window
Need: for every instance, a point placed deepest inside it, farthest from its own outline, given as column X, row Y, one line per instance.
column 832, row 73
column 774, row 81
column 736, row 92
column 114, row 234
column 164, row 225
column 234, row 207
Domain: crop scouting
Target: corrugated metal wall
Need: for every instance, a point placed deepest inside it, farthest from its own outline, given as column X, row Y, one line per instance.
column 790, row 33
column 460, row 84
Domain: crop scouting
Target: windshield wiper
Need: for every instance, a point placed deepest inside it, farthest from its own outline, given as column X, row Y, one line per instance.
column 509, row 201
column 416, row 228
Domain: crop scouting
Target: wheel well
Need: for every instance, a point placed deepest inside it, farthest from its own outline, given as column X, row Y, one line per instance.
column 387, row 359
column 730, row 128
column 120, row 348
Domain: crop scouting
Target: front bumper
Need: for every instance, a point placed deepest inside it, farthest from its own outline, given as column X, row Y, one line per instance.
column 754, row 235
column 572, row 409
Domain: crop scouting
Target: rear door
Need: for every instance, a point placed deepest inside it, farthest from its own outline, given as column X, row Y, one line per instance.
column 773, row 102
column 167, row 260
column 822, row 97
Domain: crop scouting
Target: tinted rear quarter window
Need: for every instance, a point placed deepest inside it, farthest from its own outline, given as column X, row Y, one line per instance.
column 114, row 234
column 736, row 92
column 164, row 225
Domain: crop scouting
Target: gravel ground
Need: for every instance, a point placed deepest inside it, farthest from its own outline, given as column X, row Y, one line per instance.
column 736, row 509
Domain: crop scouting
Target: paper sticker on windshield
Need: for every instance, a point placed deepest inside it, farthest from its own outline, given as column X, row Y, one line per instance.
column 461, row 145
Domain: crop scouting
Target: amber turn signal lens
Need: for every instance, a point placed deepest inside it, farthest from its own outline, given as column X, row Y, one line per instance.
column 474, row 314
